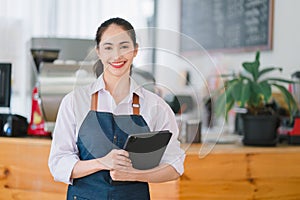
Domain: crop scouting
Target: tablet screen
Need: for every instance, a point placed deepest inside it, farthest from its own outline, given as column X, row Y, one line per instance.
column 146, row 149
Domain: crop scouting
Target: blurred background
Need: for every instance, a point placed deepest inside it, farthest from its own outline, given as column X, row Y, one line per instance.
column 70, row 26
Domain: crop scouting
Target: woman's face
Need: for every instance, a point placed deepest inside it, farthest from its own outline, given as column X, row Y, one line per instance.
column 116, row 51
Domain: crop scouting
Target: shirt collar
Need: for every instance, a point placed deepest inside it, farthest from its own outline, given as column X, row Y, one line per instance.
column 135, row 88
column 99, row 85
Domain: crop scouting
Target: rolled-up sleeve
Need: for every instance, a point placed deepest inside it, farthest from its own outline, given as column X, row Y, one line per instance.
column 64, row 153
column 174, row 154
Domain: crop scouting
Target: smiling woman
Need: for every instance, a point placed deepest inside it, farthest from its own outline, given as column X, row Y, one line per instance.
column 116, row 48
column 87, row 153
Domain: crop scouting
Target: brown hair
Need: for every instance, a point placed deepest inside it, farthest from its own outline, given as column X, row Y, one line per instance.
column 120, row 22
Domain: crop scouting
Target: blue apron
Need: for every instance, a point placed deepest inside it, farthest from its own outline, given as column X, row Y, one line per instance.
column 99, row 133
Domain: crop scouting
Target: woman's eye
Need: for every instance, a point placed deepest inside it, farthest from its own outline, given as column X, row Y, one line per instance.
column 124, row 47
column 108, row 48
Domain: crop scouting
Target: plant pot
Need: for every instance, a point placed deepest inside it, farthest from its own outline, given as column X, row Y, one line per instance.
column 260, row 130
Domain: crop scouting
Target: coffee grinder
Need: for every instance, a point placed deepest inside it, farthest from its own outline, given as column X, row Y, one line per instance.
column 37, row 121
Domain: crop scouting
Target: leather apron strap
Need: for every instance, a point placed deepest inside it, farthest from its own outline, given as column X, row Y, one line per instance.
column 94, row 103
column 135, row 103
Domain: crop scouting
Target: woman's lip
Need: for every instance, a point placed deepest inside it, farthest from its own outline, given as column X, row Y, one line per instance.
column 117, row 64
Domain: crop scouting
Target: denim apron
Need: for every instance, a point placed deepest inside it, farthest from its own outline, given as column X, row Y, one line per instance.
column 99, row 133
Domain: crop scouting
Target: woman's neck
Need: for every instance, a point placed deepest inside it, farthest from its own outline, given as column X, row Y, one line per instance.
column 118, row 87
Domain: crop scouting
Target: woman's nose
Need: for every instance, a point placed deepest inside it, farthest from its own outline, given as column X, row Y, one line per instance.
column 116, row 54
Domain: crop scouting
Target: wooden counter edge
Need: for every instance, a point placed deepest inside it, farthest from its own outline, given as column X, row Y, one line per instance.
column 194, row 148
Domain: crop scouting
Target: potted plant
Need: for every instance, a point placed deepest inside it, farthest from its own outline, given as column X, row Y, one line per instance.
column 252, row 91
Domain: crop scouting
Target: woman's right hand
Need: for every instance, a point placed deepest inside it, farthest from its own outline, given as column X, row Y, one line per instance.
column 116, row 159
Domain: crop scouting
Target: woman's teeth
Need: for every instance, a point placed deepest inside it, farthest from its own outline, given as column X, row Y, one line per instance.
column 117, row 64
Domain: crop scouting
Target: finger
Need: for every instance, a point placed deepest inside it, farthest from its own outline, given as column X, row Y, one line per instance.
column 126, row 162
column 122, row 152
column 115, row 175
column 123, row 158
column 122, row 168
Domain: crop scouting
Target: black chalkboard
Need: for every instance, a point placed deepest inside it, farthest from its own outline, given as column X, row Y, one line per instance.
column 238, row 25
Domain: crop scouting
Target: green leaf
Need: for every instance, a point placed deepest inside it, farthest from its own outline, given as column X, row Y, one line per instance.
column 269, row 69
column 265, row 90
column 222, row 100
column 236, row 90
column 220, row 105
column 279, row 80
column 289, row 99
column 229, row 106
column 230, row 82
column 257, row 56
column 241, row 92
column 256, row 95
column 252, row 67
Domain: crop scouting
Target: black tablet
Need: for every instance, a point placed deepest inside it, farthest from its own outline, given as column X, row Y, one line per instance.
column 146, row 149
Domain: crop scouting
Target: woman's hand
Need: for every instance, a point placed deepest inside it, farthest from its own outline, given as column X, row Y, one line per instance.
column 161, row 173
column 116, row 160
column 127, row 174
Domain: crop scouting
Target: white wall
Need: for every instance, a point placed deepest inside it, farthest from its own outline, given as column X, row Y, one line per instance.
column 286, row 39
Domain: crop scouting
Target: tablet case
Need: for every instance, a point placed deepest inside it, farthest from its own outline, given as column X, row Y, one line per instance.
column 146, row 149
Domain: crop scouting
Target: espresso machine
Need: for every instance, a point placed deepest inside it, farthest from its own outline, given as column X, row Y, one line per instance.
column 37, row 124
column 56, row 62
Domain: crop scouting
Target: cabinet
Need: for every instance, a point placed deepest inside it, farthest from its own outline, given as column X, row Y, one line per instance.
column 227, row 172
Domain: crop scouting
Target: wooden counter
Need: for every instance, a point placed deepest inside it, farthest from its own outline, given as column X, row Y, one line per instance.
column 24, row 172
column 239, row 172
column 227, row 172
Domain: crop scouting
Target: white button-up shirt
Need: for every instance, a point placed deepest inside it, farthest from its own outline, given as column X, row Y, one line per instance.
column 74, row 107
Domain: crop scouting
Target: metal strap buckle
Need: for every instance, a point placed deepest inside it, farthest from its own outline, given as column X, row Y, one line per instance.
column 135, row 105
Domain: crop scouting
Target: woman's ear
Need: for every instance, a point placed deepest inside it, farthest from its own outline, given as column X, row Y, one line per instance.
column 98, row 51
column 136, row 49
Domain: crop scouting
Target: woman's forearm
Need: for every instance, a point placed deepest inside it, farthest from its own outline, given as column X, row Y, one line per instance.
column 162, row 173
column 86, row 167
column 115, row 159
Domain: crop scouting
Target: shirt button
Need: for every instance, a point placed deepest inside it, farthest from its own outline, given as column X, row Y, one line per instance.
column 75, row 197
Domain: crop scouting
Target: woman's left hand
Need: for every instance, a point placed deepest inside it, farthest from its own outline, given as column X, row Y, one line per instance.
column 127, row 174
column 161, row 173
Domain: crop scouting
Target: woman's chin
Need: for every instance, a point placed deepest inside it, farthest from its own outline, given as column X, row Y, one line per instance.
column 119, row 72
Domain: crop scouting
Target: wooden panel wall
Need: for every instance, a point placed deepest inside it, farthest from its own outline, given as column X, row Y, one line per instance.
column 24, row 171
column 229, row 172
column 244, row 173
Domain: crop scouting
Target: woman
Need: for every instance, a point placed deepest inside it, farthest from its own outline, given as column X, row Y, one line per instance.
column 86, row 148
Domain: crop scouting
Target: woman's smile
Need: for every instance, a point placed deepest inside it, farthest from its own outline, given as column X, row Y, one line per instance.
column 118, row 64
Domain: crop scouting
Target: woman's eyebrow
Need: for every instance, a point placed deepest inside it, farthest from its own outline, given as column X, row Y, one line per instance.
column 124, row 42
column 109, row 43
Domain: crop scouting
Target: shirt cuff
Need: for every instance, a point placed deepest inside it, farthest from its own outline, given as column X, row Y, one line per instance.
column 176, row 162
column 64, row 169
